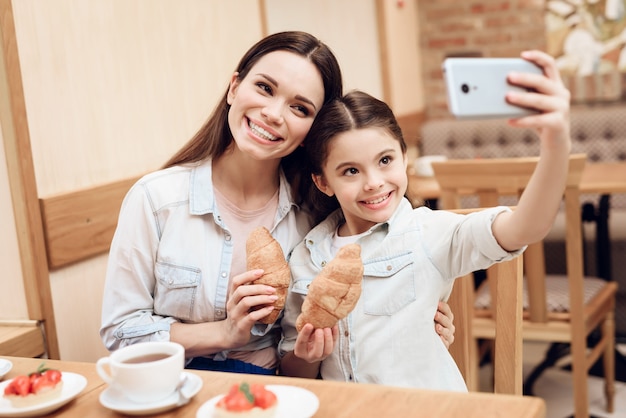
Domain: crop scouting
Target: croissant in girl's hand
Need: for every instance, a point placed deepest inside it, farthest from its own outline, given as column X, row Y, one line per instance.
column 335, row 291
column 264, row 252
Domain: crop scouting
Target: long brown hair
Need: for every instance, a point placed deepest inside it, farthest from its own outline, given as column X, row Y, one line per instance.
column 355, row 110
column 214, row 137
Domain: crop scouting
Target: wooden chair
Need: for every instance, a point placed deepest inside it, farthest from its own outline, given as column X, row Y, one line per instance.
column 588, row 303
column 508, row 378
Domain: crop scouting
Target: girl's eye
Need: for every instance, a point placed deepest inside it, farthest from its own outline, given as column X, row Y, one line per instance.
column 350, row 172
column 302, row 109
column 385, row 160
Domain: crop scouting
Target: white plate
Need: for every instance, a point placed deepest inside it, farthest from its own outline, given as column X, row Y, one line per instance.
column 73, row 384
column 116, row 401
column 5, row 367
column 293, row 402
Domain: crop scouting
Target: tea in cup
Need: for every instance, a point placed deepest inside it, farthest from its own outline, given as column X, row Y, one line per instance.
column 144, row 372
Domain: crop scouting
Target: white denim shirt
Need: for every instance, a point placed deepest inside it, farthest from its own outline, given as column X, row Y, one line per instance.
column 171, row 255
column 410, row 263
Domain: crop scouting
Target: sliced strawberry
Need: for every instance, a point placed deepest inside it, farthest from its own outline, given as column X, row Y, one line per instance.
column 236, row 402
column 33, row 376
column 263, row 398
column 41, row 384
column 20, row 385
column 53, row 375
column 37, row 382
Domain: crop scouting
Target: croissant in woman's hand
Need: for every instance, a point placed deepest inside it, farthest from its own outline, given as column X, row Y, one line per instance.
column 264, row 252
column 334, row 292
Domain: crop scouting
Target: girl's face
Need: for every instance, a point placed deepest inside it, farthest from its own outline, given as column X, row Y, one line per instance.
column 273, row 107
column 366, row 171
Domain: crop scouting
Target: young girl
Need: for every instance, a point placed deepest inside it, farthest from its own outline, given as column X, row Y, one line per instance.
column 177, row 268
column 410, row 256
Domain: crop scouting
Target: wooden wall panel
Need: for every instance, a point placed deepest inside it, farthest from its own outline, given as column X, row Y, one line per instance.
column 81, row 224
column 348, row 27
column 112, row 88
column 79, row 317
column 402, row 56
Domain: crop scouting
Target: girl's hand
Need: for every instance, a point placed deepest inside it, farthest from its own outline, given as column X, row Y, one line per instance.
column 444, row 325
column 245, row 306
column 550, row 97
column 314, row 345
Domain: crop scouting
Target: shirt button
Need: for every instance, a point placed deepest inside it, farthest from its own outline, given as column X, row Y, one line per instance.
column 227, row 237
column 346, row 333
column 389, row 268
column 223, row 274
column 323, row 263
column 219, row 312
column 310, row 242
column 171, row 281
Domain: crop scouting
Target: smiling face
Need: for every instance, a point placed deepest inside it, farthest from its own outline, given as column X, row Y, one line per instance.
column 369, row 183
column 273, row 107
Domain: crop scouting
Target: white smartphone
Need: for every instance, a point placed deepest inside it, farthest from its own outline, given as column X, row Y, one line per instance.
column 477, row 86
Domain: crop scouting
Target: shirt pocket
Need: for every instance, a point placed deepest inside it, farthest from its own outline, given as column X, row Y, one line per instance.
column 389, row 284
column 176, row 289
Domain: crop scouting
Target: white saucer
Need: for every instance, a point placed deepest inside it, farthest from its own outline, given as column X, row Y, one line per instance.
column 73, row 384
column 116, row 401
column 5, row 367
column 293, row 402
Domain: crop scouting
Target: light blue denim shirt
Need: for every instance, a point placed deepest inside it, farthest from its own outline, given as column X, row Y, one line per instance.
column 410, row 263
column 170, row 258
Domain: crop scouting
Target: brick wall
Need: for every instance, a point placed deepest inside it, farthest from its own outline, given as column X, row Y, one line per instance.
column 488, row 28
column 494, row 28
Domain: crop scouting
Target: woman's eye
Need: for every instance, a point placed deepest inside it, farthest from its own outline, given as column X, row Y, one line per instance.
column 266, row 88
column 385, row 160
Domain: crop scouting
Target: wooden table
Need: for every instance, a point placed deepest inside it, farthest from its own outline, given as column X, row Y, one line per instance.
column 337, row 399
column 601, row 178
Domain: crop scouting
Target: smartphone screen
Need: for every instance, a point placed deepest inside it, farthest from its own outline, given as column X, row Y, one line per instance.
column 477, row 87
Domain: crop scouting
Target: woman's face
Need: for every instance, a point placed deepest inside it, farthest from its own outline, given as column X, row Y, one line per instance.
column 273, row 107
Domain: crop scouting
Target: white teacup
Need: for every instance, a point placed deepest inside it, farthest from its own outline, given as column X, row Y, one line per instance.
column 144, row 372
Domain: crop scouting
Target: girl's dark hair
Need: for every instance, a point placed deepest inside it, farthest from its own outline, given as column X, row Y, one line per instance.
column 355, row 110
column 214, row 137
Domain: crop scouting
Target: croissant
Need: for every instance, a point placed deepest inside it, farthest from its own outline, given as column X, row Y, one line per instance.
column 264, row 252
column 334, row 292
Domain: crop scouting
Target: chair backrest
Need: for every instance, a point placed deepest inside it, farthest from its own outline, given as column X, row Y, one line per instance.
column 507, row 326
column 491, row 179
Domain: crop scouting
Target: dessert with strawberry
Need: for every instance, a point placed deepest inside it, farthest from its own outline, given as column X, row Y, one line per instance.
column 37, row 387
column 247, row 401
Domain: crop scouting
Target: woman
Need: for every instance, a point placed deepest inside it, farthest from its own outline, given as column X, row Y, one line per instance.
column 177, row 261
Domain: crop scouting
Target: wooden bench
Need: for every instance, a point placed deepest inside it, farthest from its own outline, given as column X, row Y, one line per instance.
column 21, row 338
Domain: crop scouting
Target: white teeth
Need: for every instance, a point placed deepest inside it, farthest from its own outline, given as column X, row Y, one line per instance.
column 373, row 202
column 262, row 132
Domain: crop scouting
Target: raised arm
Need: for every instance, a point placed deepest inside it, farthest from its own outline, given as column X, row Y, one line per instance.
column 538, row 205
